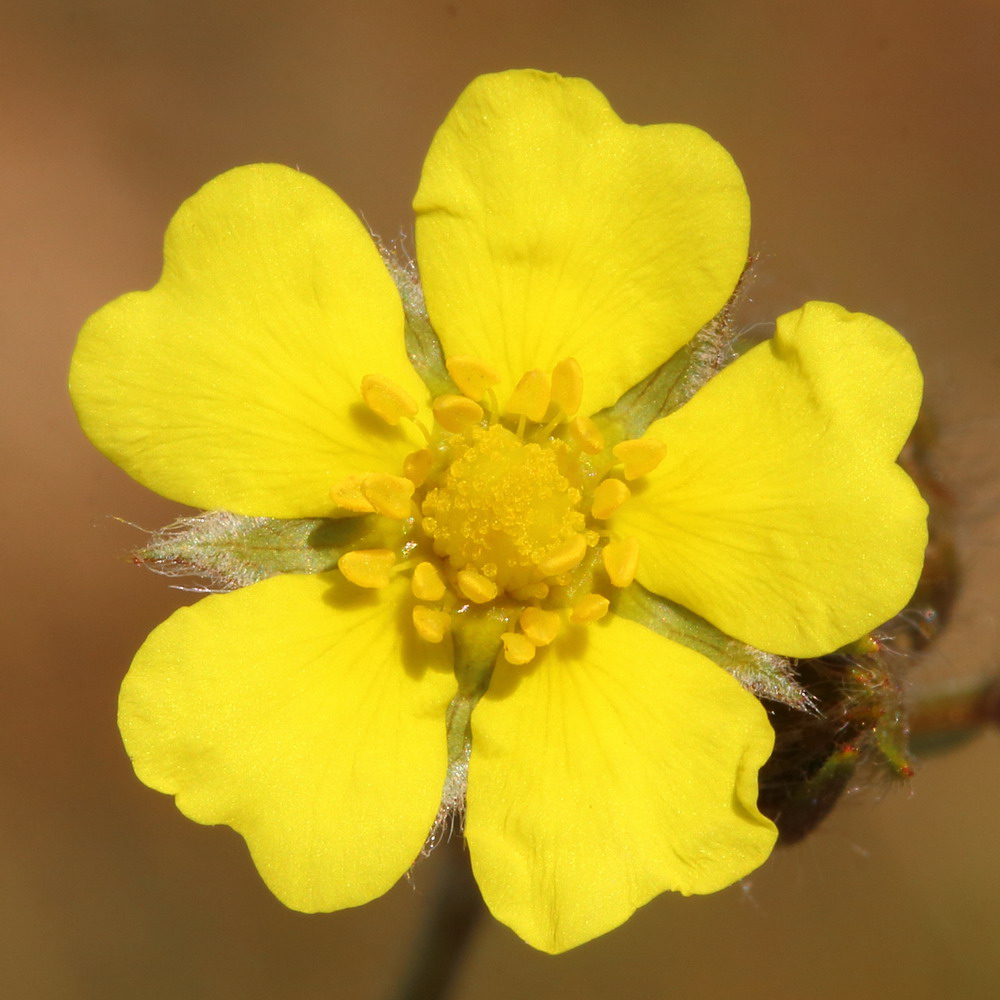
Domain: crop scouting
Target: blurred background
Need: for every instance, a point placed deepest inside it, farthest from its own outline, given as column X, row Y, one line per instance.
column 868, row 135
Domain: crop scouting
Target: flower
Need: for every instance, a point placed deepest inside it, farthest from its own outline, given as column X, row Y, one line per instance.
column 564, row 255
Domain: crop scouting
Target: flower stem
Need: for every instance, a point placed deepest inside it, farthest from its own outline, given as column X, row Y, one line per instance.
column 451, row 918
column 947, row 715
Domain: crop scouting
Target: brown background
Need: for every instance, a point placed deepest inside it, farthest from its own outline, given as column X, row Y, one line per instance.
column 868, row 137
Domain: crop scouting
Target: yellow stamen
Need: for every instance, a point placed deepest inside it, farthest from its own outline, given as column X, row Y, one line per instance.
column 531, row 592
column 430, row 624
column 591, row 608
column 389, row 495
column 503, row 507
column 608, row 497
column 639, row 456
column 587, row 435
column 621, row 559
column 367, row 567
column 471, row 376
column 417, row 466
column 390, row 401
column 420, row 426
column 347, row 494
column 455, row 413
column 427, row 584
column 567, row 386
column 531, row 395
column 568, row 556
column 517, row 649
column 477, row 588
column 540, row 626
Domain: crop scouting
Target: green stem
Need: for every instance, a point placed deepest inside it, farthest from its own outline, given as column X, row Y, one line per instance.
column 452, row 915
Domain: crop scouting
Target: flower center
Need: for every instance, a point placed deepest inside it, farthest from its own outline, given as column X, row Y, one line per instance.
column 505, row 508
column 502, row 508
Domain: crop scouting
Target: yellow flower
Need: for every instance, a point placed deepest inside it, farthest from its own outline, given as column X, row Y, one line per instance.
column 564, row 255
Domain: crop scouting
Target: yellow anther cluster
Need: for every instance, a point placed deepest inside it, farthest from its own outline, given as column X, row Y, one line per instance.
column 505, row 509
column 495, row 508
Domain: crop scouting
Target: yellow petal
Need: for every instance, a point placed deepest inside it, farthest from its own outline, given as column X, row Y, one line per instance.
column 617, row 766
column 236, row 381
column 548, row 228
column 778, row 512
column 307, row 716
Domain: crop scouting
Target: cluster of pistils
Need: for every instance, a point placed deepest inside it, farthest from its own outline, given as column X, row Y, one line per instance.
column 505, row 507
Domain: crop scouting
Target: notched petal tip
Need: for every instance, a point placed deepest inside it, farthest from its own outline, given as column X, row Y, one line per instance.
column 779, row 512
column 262, row 710
column 229, row 384
column 616, row 224
column 638, row 726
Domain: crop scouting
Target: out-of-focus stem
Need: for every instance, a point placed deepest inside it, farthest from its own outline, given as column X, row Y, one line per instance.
column 452, row 914
column 944, row 716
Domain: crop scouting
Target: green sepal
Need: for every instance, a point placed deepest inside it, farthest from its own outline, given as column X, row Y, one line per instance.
column 763, row 674
column 231, row 550
column 423, row 347
column 476, row 641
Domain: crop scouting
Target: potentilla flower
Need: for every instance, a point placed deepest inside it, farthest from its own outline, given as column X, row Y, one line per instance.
column 501, row 514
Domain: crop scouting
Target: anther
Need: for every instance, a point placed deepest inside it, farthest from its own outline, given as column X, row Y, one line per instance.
column 477, row 588
column 587, row 435
column 367, row 567
column 471, row 376
column 417, row 466
column 639, row 456
column 591, row 608
column 517, row 649
column 431, row 624
column 531, row 592
column 608, row 497
column 347, row 494
column 531, row 396
column 426, row 583
column 455, row 413
column 389, row 495
column 540, row 626
column 568, row 556
column 621, row 560
column 390, row 401
column 567, row 386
